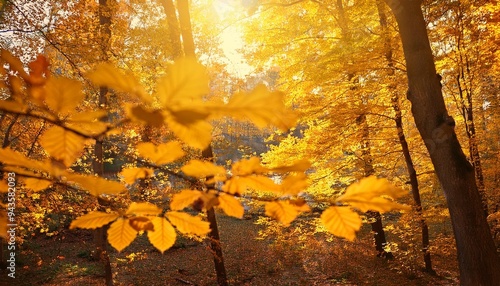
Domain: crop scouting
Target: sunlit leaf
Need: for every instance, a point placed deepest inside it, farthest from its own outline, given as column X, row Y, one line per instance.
column 184, row 199
column 203, row 169
column 62, row 144
column 14, row 158
column 62, row 95
column 368, row 194
column 12, row 106
column 196, row 134
column 298, row 166
column 161, row 154
column 282, row 211
column 294, row 184
column 341, row 221
column 121, row 234
column 96, row 185
column 231, row 206
column 261, row 106
column 105, row 74
column 130, row 175
column 239, row 185
column 248, row 166
column 164, row 235
column 188, row 224
column 143, row 209
column 93, row 220
column 36, row 184
column 186, row 83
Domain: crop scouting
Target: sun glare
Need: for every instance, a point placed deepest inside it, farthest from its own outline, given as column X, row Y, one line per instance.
column 231, row 41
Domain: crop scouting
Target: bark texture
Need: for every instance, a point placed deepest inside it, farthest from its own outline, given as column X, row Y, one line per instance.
column 477, row 256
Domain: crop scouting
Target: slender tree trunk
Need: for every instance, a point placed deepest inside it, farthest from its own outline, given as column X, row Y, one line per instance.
column 207, row 154
column 100, row 237
column 173, row 27
column 373, row 216
column 477, row 257
column 398, row 119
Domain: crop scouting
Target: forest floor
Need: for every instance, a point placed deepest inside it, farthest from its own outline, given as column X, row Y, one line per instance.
column 283, row 258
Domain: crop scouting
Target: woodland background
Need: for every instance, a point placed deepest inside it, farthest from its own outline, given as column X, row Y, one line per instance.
column 341, row 68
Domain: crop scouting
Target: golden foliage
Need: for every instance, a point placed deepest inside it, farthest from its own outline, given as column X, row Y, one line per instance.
column 341, row 221
column 188, row 224
column 163, row 237
column 161, row 154
column 93, row 220
column 121, row 234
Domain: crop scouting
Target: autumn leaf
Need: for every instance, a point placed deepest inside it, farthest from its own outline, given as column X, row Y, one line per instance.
column 184, row 199
column 298, row 166
column 368, row 194
column 141, row 223
column 248, row 166
column 202, row 169
column 14, row 158
column 260, row 106
column 130, row 175
column 121, row 234
column 143, row 209
column 188, row 224
column 87, row 122
column 161, row 154
column 341, row 221
column 96, row 185
column 231, row 206
column 36, row 184
column 105, row 74
column 196, row 134
column 93, row 220
column 282, row 211
column 239, row 185
column 62, row 95
column 62, row 144
column 294, row 184
column 140, row 114
column 164, row 235
column 184, row 85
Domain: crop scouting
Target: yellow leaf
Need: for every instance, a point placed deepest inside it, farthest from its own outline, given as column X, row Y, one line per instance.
column 183, row 199
column 196, row 134
column 14, row 158
column 37, row 184
column 378, row 204
column 299, row 166
column 88, row 122
column 12, row 106
column 96, row 185
column 140, row 114
column 294, row 184
column 161, row 154
column 186, row 83
column 62, row 145
column 121, row 234
column 367, row 194
column 143, row 209
column 93, row 220
column 14, row 63
column 62, row 95
column 231, row 206
column 239, row 185
column 141, row 224
column 130, row 175
column 248, row 166
column 88, row 116
column 282, row 211
column 203, row 169
column 260, row 106
column 163, row 236
column 188, row 224
column 341, row 221
column 105, row 74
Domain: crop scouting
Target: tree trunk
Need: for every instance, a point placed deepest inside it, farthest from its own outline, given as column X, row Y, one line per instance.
column 173, row 28
column 477, row 257
column 398, row 119
column 100, row 238
column 207, row 154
